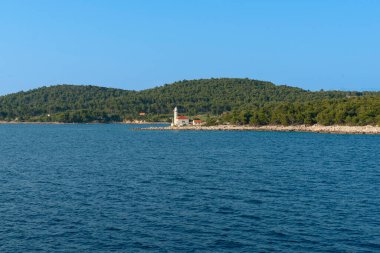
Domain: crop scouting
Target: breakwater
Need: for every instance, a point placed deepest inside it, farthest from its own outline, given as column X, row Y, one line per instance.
column 297, row 128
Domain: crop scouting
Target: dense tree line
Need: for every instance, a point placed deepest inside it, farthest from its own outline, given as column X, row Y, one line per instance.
column 261, row 103
column 349, row 111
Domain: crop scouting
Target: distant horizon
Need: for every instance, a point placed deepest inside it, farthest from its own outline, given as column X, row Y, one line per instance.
column 136, row 45
column 159, row 85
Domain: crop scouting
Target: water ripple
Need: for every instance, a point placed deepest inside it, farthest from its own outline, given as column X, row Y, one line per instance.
column 105, row 188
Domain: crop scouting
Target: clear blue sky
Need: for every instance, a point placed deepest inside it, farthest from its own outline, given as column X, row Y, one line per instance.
column 139, row 44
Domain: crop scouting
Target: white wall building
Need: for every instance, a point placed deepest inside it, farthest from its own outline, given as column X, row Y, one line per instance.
column 197, row 122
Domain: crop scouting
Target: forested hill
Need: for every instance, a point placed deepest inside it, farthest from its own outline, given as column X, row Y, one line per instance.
column 71, row 103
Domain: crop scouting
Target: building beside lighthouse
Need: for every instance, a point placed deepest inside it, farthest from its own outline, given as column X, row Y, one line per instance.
column 179, row 120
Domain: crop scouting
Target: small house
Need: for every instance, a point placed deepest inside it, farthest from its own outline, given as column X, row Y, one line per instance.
column 182, row 121
column 197, row 122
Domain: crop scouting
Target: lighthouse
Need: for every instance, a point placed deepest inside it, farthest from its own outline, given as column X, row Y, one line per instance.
column 175, row 116
column 179, row 120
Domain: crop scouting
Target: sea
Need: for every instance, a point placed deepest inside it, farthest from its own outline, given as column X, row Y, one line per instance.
column 114, row 188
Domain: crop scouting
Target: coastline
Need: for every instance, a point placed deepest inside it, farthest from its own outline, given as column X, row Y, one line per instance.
column 336, row 129
column 31, row 123
column 68, row 123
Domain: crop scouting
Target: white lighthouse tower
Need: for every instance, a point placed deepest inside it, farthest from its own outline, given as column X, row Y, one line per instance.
column 175, row 116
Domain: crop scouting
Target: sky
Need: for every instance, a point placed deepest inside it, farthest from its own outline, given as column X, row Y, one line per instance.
column 139, row 44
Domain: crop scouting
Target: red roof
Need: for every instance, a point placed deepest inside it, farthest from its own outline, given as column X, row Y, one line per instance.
column 197, row 121
column 182, row 117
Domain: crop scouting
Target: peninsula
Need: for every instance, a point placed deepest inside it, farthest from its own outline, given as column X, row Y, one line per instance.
column 181, row 122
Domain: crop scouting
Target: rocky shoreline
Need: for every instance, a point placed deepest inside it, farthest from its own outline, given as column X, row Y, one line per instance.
column 277, row 128
column 63, row 123
column 30, row 123
column 336, row 129
column 141, row 122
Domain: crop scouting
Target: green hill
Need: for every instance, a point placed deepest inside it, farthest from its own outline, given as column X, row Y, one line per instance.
column 227, row 96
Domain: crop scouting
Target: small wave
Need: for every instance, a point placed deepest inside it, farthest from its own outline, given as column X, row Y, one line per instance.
column 253, row 201
column 225, row 210
column 112, row 229
column 250, row 216
column 228, row 244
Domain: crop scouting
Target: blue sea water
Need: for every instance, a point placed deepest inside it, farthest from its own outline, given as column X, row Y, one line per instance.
column 108, row 188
